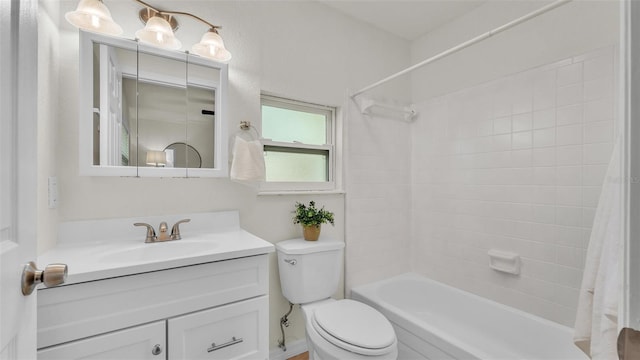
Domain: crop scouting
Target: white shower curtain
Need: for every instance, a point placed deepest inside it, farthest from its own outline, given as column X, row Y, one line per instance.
column 596, row 326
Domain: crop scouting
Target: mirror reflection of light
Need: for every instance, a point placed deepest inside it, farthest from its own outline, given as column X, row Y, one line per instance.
column 157, row 158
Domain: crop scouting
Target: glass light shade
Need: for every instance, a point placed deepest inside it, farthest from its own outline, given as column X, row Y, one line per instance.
column 211, row 46
column 93, row 15
column 156, row 158
column 158, row 33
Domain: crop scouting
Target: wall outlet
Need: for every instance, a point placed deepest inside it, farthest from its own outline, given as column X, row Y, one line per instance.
column 53, row 192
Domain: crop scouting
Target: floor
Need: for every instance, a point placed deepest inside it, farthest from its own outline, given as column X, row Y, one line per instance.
column 303, row 356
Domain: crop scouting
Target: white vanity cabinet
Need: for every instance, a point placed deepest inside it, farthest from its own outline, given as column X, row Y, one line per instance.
column 215, row 310
column 139, row 342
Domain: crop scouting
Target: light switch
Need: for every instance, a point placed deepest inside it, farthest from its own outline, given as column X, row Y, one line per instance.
column 53, row 192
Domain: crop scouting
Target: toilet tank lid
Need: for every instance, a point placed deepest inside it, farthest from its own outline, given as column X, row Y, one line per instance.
column 302, row 246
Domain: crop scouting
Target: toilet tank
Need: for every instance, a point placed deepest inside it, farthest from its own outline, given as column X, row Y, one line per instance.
column 309, row 270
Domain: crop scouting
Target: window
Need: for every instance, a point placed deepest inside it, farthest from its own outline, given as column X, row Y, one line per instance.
column 299, row 149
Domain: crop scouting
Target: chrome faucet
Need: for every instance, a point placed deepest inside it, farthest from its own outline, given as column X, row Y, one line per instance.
column 163, row 232
column 151, row 233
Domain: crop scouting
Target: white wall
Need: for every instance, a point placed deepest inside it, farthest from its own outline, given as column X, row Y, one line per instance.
column 511, row 158
column 302, row 50
column 48, row 115
column 572, row 29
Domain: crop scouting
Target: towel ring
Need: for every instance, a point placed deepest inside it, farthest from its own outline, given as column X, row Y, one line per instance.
column 246, row 126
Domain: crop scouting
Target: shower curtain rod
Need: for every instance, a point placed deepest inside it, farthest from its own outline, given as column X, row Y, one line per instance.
column 465, row 44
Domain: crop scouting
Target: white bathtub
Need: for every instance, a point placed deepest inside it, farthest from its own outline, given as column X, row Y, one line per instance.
column 436, row 321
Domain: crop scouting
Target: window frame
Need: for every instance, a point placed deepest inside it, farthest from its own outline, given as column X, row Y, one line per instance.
column 329, row 146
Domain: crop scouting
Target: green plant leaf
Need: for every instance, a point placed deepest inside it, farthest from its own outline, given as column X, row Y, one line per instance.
column 311, row 215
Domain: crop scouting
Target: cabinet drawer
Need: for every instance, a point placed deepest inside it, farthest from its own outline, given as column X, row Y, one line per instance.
column 133, row 343
column 71, row 312
column 235, row 331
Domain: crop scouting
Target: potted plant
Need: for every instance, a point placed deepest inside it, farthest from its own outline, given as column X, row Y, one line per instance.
column 311, row 218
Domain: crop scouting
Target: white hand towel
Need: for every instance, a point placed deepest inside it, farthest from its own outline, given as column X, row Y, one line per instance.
column 248, row 161
column 596, row 327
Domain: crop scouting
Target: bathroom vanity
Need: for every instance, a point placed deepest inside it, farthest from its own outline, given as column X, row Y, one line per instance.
column 205, row 296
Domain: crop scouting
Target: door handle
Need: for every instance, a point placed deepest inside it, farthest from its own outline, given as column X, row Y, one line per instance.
column 52, row 275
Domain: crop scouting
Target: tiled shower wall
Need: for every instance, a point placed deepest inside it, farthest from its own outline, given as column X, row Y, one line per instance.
column 378, row 182
column 516, row 164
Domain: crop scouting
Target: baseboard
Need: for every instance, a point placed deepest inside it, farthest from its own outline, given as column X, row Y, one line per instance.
column 294, row 348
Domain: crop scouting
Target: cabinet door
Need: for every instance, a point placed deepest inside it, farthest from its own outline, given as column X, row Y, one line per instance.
column 234, row 331
column 140, row 342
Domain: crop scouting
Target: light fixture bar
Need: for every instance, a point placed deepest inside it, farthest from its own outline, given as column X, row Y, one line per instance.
column 210, row 46
column 160, row 25
column 170, row 13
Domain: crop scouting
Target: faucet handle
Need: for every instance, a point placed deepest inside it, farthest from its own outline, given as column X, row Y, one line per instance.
column 151, row 234
column 175, row 230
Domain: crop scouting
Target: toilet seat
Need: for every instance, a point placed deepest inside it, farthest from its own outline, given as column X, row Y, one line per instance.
column 355, row 327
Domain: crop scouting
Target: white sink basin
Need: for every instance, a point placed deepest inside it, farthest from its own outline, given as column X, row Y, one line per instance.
column 103, row 249
column 145, row 252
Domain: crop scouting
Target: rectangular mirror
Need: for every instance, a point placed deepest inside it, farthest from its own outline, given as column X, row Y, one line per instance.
column 201, row 118
column 150, row 112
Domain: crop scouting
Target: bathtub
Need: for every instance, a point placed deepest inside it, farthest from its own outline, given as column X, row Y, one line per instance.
column 437, row 321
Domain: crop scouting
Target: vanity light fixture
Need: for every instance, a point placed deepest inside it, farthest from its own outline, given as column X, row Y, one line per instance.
column 211, row 46
column 158, row 32
column 93, row 15
column 157, row 158
column 159, row 28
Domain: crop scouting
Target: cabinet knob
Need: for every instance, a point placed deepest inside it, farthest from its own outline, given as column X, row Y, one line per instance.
column 156, row 350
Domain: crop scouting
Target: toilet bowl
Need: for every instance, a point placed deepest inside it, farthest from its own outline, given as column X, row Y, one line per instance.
column 346, row 329
column 335, row 329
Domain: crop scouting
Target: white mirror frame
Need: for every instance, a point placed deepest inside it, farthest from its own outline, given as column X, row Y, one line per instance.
column 85, row 98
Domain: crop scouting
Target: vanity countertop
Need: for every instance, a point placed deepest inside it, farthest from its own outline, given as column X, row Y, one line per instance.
column 101, row 259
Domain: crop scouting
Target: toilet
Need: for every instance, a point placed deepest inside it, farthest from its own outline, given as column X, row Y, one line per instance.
column 336, row 329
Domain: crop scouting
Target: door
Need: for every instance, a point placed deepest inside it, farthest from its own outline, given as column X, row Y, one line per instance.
column 18, row 101
column 110, row 107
